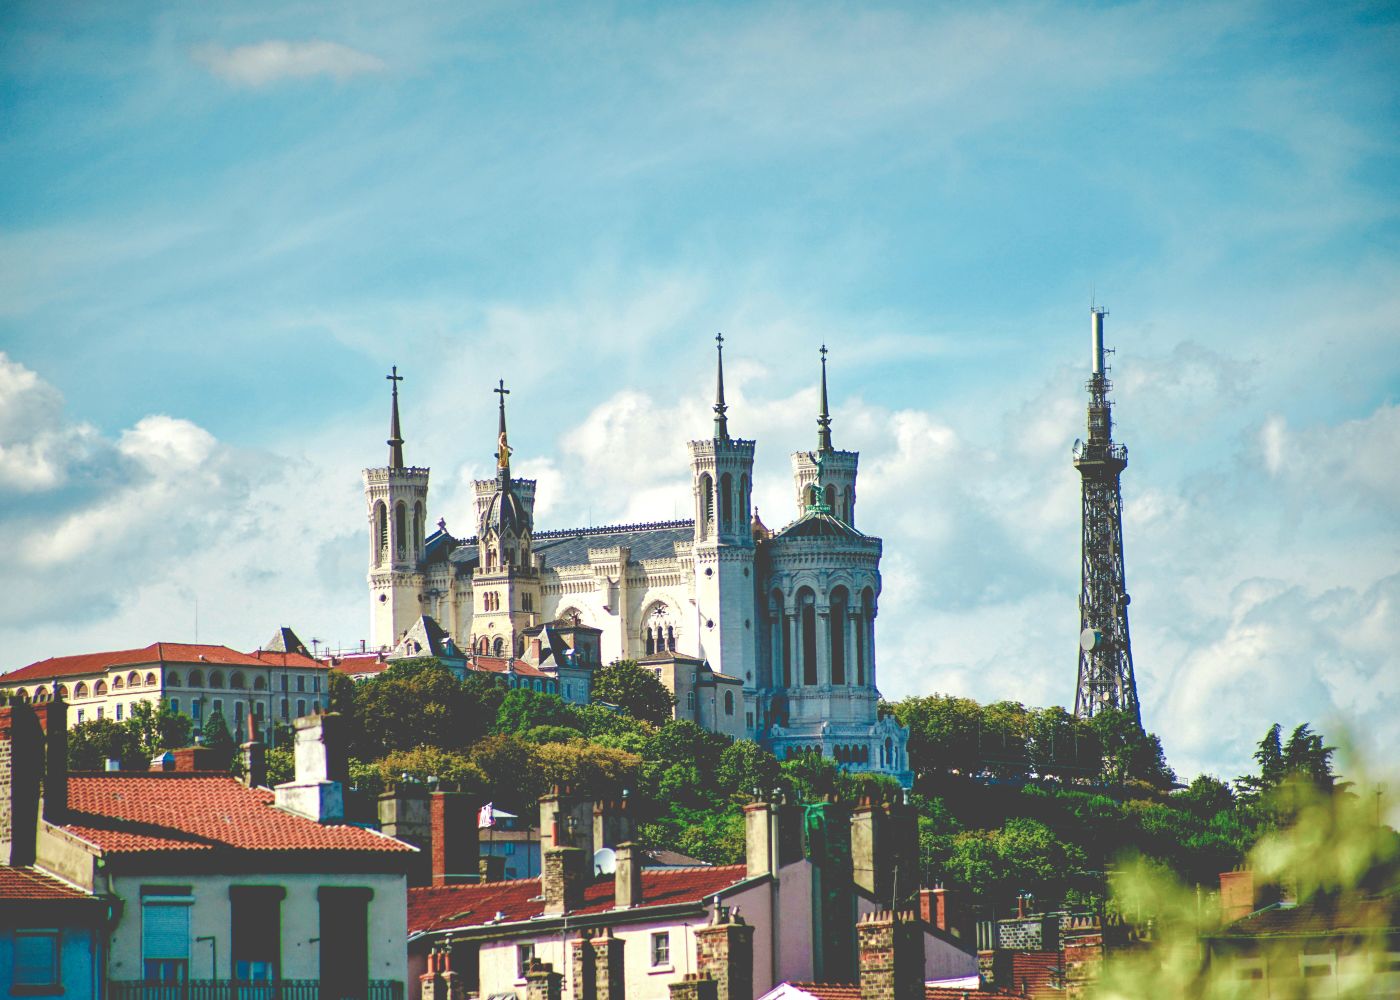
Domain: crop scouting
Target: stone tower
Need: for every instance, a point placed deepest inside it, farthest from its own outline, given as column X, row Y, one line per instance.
column 396, row 499
column 721, row 472
column 1105, row 652
column 506, row 582
column 826, row 475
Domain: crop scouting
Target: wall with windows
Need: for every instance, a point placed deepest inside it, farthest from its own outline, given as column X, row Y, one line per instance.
column 165, row 918
column 41, row 957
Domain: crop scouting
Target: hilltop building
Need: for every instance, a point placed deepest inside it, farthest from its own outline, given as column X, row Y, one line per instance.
column 782, row 621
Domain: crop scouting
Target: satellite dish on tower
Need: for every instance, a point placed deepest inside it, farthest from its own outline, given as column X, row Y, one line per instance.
column 604, row 861
column 1090, row 639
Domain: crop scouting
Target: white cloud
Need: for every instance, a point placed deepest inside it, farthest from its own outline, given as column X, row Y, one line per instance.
column 262, row 63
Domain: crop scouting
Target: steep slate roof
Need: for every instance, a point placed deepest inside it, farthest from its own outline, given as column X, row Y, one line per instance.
column 815, row 525
column 30, row 884
column 199, row 812
column 433, row 909
column 570, row 546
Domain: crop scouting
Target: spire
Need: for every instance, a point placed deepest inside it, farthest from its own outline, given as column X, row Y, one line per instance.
column 721, row 421
column 502, row 448
column 824, row 418
column 395, row 441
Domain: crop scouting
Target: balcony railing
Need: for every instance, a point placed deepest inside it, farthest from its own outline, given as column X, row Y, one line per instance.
column 232, row 989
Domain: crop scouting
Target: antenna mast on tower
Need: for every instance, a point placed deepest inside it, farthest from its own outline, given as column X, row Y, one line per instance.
column 1105, row 652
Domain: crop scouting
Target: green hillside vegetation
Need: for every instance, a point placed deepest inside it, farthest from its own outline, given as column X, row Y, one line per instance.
column 1009, row 799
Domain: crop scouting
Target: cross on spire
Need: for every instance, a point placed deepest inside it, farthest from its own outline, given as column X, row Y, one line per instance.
column 502, row 448
column 395, row 441
column 824, row 417
column 721, row 421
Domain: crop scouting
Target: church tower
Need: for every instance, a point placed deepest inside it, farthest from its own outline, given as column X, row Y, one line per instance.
column 721, row 472
column 506, row 582
column 1105, row 653
column 826, row 475
column 396, row 499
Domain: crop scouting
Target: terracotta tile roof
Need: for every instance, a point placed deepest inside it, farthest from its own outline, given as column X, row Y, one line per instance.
column 1037, row 973
column 155, row 653
column 359, row 663
column 851, row 991
column 32, row 884
column 273, row 658
column 469, row 905
column 497, row 665
column 198, row 811
column 1323, row 915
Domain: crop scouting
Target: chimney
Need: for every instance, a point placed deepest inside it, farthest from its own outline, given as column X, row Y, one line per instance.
column 254, row 757
column 1239, row 897
column 885, row 849
column 694, row 986
column 760, row 839
column 21, row 765
column 627, row 876
column 404, row 815
column 612, row 823
column 562, row 880
column 542, row 982
column 190, row 759
column 566, row 820
column 585, row 981
column 490, row 868
column 454, row 838
column 891, row 956
column 724, row 951
column 439, row 982
column 599, row 973
column 947, row 910
column 53, row 720
column 828, row 830
column 317, row 791
column 534, row 651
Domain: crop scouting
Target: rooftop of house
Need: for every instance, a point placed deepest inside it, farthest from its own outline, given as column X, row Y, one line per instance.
column 460, row 906
column 851, row 991
column 1324, row 914
column 29, row 884
column 159, row 811
column 184, row 653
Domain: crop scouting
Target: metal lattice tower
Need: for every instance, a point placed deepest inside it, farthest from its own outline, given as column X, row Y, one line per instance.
column 1105, row 652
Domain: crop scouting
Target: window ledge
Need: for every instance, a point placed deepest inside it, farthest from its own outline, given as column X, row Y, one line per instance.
column 47, row 990
column 657, row 970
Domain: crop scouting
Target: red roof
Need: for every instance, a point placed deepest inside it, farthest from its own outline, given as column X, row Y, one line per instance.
column 849, row 991
column 198, row 811
column 32, row 884
column 359, row 663
column 155, row 653
column 497, row 665
column 269, row 657
column 520, row 899
column 1036, row 972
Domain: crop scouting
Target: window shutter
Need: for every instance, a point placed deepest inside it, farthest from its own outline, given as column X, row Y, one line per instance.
column 165, row 930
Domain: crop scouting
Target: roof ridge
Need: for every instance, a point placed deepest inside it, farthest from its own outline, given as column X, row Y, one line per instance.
column 615, row 529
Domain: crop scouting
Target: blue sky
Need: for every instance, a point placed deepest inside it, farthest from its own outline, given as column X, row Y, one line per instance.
column 221, row 224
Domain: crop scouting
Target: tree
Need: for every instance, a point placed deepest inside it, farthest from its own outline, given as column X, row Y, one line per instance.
column 91, row 744
column 1129, row 754
column 523, row 710
column 1205, row 797
column 944, row 733
column 745, row 767
column 429, row 766
column 154, row 727
column 415, row 703
column 216, row 736
column 635, row 690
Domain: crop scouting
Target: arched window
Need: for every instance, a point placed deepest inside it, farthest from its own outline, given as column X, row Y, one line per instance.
column 196, row 678
column 259, row 683
column 381, row 533
column 840, row 627
column 235, row 681
column 831, row 498
column 729, row 703
column 41, row 693
column 400, row 530
column 784, row 640
column 151, row 680
column 745, row 507
column 118, row 683
column 807, row 602
column 865, row 638
column 61, row 691
column 133, row 680
column 216, row 679
column 499, row 646
column 707, row 505
column 99, row 689
column 659, row 629
column 171, row 680
column 80, row 690
column 726, row 502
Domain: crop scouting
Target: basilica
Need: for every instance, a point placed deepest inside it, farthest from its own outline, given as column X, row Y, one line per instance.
column 784, row 619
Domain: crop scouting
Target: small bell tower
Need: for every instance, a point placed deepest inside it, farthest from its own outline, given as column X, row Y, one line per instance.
column 396, row 500
column 721, row 472
column 826, row 476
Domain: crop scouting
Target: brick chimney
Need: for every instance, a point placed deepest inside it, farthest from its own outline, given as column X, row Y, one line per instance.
column 948, row 910
column 599, row 973
column 53, row 720
column 695, row 986
column 724, row 951
column 440, row 982
column 254, row 757
column 542, row 982
column 566, row 820
column 1237, row 895
column 627, row 876
column 455, row 838
column 891, row 956
column 612, row 823
column 193, row 759
column 21, row 767
column 562, row 880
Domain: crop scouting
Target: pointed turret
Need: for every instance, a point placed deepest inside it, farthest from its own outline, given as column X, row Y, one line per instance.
column 721, row 421
column 824, row 418
column 502, row 447
column 395, row 441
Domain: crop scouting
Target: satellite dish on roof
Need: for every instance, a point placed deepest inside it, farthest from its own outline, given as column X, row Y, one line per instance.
column 604, row 861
